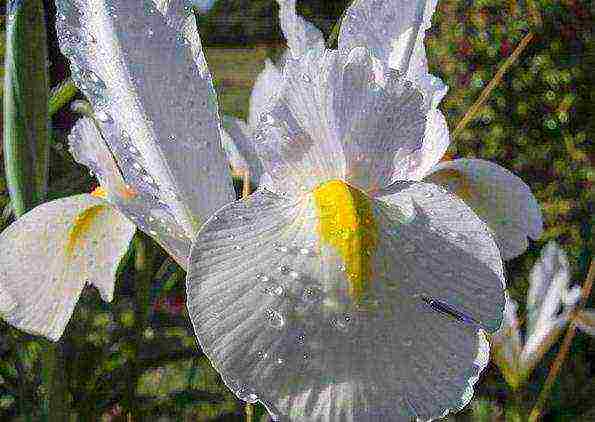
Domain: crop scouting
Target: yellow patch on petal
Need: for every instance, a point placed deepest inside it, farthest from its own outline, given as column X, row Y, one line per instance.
column 82, row 224
column 346, row 222
column 99, row 192
column 456, row 182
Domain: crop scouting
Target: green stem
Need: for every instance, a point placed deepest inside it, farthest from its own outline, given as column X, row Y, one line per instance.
column 143, row 278
column 54, row 402
column 249, row 412
column 61, row 95
column 26, row 125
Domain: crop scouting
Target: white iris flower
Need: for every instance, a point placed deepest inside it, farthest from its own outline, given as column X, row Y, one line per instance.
column 337, row 291
column 497, row 196
column 154, row 145
column 550, row 305
column 345, row 288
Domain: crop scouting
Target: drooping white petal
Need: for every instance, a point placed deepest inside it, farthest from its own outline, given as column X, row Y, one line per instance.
column 499, row 197
column 549, row 303
column 239, row 148
column 265, row 90
column 135, row 198
column 51, row 252
column 147, row 81
column 394, row 30
column 270, row 301
column 417, row 164
column 301, row 35
column 585, row 320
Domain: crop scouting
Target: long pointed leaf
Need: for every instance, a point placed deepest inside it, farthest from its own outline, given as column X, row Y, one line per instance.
column 26, row 129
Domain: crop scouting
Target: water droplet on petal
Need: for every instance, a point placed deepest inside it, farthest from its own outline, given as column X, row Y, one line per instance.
column 102, row 116
column 306, row 78
column 274, row 318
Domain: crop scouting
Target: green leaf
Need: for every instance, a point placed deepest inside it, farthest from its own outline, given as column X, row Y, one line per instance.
column 26, row 128
column 61, row 95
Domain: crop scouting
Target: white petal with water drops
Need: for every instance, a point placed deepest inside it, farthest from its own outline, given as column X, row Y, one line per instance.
column 128, row 185
column 145, row 77
column 50, row 253
column 499, row 197
column 416, row 346
column 395, row 31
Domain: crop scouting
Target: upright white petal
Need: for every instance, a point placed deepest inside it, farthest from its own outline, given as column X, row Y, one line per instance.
column 335, row 119
column 418, row 164
column 271, row 303
column 499, row 197
column 394, row 30
column 135, row 198
column 241, row 149
column 296, row 138
column 146, row 81
column 378, row 120
column 301, row 35
column 266, row 88
column 51, row 252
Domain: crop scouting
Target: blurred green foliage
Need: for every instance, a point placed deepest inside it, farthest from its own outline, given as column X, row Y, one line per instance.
column 537, row 123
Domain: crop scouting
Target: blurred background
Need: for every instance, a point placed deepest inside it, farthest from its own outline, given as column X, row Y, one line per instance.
column 121, row 362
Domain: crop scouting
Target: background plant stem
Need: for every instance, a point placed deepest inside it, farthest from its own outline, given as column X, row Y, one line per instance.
column 26, row 148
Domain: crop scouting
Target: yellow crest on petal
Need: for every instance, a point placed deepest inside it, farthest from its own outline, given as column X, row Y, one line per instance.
column 346, row 222
column 82, row 224
column 99, row 192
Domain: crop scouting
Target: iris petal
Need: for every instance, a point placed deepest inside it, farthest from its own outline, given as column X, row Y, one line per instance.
column 134, row 197
column 271, row 304
column 147, row 80
column 51, row 252
column 499, row 197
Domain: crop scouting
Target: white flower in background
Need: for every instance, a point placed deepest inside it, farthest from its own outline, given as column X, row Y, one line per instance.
column 550, row 304
column 497, row 196
column 154, row 146
column 340, row 292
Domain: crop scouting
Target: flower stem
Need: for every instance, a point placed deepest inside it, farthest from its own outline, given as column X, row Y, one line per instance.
column 249, row 412
column 493, row 83
column 570, row 333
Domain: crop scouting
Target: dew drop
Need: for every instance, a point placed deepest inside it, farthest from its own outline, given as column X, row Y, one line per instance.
column 150, row 32
column 306, row 78
column 305, row 251
column 102, row 116
column 311, row 294
column 343, row 322
column 274, row 318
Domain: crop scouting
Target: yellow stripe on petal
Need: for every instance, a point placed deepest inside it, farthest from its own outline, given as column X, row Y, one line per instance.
column 82, row 224
column 99, row 192
column 346, row 222
column 456, row 182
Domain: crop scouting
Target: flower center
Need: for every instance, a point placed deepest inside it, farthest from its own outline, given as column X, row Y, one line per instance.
column 346, row 223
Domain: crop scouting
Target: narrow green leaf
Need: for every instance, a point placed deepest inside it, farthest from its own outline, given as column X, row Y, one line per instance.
column 26, row 128
column 61, row 95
